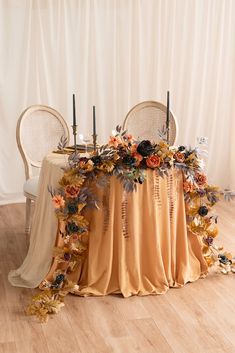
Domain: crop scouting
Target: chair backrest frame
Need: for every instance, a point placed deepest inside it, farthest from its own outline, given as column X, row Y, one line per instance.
column 155, row 104
column 28, row 162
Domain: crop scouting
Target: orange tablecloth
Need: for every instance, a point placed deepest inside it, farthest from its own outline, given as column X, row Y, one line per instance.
column 138, row 242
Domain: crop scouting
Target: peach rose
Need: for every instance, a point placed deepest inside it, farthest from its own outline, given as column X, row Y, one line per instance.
column 58, row 201
column 179, row 156
column 82, row 163
column 74, row 238
column 188, row 186
column 153, row 161
column 72, row 191
column 200, row 179
column 133, row 149
column 129, row 137
column 115, row 141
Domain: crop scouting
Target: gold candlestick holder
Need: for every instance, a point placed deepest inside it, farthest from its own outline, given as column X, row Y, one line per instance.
column 74, row 127
column 95, row 143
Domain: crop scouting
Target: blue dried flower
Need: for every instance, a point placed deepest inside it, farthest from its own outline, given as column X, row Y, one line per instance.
column 129, row 161
column 181, row 148
column 72, row 208
column 203, row 210
column 223, row 259
column 59, row 278
column 96, row 160
column 72, row 228
column 67, row 256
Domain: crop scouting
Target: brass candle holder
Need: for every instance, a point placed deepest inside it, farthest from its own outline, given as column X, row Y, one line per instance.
column 74, row 127
column 95, row 143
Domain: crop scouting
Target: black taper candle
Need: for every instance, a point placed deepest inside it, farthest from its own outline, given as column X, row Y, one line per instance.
column 168, row 115
column 94, row 122
column 74, row 126
column 74, row 111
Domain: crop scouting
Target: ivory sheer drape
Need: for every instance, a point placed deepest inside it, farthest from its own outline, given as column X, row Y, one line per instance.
column 114, row 54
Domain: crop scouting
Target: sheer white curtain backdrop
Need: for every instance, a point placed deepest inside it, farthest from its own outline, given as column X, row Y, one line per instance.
column 114, row 54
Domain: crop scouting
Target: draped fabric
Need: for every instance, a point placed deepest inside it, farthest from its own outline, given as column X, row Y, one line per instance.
column 138, row 242
column 114, row 54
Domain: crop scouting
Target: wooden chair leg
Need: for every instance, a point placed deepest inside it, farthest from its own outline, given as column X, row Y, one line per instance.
column 28, row 216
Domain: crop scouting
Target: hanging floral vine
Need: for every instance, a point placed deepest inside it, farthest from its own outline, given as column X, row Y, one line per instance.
column 128, row 160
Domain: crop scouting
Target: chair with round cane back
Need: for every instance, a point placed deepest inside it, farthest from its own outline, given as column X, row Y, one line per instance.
column 39, row 130
column 146, row 120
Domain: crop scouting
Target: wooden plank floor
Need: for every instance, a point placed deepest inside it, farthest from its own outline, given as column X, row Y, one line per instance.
column 197, row 318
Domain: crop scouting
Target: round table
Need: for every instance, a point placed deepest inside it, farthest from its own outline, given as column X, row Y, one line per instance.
column 138, row 242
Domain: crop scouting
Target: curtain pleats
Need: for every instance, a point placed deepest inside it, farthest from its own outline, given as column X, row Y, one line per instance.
column 114, row 54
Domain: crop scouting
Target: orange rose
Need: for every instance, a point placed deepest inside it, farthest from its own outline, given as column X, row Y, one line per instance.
column 138, row 157
column 82, row 163
column 72, row 191
column 188, row 186
column 153, row 161
column 74, row 238
column 134, row 148
column 115, row 141
column 58, row 201
column 200, row 179
column 180, row 157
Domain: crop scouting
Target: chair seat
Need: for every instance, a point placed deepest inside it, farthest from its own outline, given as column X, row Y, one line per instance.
column 31, row 188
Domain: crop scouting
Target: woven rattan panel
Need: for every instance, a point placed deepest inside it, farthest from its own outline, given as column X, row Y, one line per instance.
column 40, row 134
column 146, row 122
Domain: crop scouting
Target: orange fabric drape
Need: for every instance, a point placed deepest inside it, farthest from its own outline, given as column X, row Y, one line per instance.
column 138, row 242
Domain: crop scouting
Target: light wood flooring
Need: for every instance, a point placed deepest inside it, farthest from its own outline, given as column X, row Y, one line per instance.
column 198, row 318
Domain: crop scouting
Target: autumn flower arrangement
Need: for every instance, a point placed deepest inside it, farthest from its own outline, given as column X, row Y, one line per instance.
column 127, row 159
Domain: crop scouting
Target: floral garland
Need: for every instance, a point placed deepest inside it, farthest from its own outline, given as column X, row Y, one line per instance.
column 128, row 160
